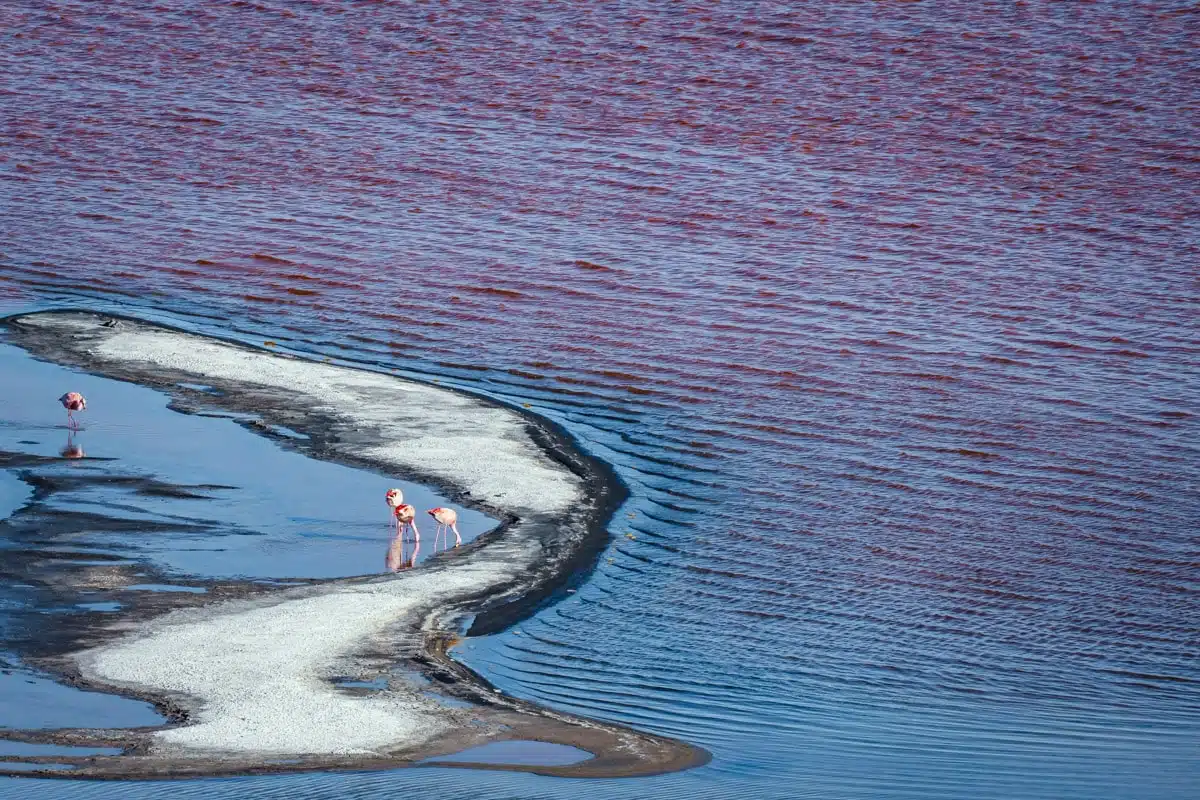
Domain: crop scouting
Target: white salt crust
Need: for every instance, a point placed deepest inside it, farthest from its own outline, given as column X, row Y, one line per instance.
column 260, row 671
column 471, row 444
column 256, row 671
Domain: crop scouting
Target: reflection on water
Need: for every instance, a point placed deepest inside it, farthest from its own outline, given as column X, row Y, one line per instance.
column 402, row 553
column 71, row 449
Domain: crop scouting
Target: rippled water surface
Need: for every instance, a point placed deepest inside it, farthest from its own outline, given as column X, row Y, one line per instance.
column 885, row 312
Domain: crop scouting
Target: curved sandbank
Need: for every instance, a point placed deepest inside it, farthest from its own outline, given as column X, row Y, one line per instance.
column 248, row 681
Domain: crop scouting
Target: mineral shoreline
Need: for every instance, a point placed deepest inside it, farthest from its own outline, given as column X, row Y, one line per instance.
column 245, row 676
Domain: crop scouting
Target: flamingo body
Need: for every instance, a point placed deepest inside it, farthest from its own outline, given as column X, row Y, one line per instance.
column 447, row 520
column 406, row 517
column 72, row 402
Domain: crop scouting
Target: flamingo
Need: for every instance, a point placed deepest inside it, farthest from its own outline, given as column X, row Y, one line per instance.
column 406, row 516
column 395, row 499
column 447, row 521
column 72, row 402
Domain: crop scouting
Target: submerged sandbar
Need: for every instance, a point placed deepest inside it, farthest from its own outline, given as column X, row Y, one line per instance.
column 249, row 681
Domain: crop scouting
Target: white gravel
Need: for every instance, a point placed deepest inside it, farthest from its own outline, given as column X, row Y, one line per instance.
column 259, row 671
column 461, row 440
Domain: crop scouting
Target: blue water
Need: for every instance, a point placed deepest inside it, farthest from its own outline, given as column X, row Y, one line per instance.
column 680, row 652
column 29, row 700
column 268, row 512
column 886, row 314
column 13, row 493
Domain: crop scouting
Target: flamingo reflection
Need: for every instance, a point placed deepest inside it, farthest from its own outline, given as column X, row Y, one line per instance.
column 398, row 557
column 71, row 450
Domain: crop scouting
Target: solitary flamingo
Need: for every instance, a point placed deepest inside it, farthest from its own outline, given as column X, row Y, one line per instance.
column 72, row 402
column 447, row 521
column 406, row 516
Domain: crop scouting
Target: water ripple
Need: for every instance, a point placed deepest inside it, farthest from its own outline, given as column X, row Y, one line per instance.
column 887, row 319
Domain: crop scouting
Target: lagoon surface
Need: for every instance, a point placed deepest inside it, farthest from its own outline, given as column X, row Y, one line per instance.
column 885, row 315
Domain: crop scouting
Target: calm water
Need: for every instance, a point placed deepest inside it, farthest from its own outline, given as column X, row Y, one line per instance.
column 886, row 313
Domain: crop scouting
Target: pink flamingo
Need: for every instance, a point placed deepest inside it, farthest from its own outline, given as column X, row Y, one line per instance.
column 447, row 521
column 72, row 402
column 406, row 517
column 395, row 499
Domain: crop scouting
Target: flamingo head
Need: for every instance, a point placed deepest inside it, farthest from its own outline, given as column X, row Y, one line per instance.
column 73, row 401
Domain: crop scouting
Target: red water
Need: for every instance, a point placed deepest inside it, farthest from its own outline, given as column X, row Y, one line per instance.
column 887, row 312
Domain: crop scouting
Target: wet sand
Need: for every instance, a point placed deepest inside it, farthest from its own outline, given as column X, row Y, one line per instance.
column 245, row 671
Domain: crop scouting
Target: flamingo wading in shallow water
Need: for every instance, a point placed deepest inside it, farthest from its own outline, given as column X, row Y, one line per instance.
column 397, row 557
column 72, row 402
column 447, row 521
column 395, row 499
column 406, row 517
